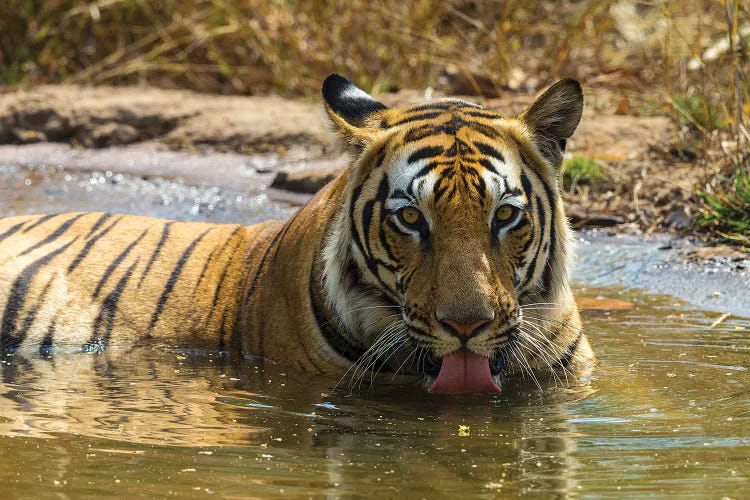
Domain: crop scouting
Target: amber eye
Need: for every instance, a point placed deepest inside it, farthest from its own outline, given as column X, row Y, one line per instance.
column 505, row 214
column 410, row 216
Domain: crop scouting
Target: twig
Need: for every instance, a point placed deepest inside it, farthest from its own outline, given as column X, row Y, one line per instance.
column 720, row 320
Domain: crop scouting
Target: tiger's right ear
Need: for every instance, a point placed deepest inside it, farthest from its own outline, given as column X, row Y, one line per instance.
column 351, row 109
column 554, row 117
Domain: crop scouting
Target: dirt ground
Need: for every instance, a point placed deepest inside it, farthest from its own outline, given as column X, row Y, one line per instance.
column 650, row 184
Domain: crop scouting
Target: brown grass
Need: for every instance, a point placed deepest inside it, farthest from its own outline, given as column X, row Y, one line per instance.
column 288, row 46
column 664, row 56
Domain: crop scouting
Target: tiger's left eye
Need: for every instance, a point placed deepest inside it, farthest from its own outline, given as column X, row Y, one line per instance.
column 505, row 214
column 410, row 216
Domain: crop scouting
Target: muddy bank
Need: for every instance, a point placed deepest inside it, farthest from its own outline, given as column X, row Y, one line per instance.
column 112, row 116
column 104, row 117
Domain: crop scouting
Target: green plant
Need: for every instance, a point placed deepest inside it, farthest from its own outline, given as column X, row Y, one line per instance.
column 578, row 170
column 726, row 214
column 698, row 111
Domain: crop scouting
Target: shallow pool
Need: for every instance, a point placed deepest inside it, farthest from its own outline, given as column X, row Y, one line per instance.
column 665, row 414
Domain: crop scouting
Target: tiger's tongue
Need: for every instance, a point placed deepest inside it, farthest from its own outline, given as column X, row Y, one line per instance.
column 464, row 371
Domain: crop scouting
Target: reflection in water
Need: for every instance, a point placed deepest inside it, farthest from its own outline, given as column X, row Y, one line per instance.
column 665, row 413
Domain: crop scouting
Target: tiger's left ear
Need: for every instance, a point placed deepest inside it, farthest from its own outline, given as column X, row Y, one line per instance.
column 554, row 117
column 350, row 108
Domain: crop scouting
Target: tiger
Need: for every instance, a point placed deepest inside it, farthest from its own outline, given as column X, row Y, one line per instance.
column 441, row 254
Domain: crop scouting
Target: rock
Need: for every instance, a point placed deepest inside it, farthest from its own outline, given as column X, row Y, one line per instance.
column 26, row 136
column 305, row 181
column 111, row 134
column 580, row 217
column 679, row 218
column 602, row 303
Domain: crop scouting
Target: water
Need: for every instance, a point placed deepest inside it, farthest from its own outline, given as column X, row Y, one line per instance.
column 46, row 190
column 665, row 414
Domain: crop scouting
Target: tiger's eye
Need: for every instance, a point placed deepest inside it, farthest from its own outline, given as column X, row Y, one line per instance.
column 505, row 213
column 410, row 215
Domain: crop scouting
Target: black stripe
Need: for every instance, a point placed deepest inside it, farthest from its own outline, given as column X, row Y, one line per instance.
column 115, row 263
column 419, row 133
column 12, row 230
column 217, row 291
column 567, row 357
column 547, row 275
column 89, row 245
column 416, row 118
column 224, row 273
column 223, row 332
column 31, row 315
column 55, row 234
column 329, row 328
column 46, row 348
column 487, row 164
column 17, row 296
column 155, row 254
column 215, row 252
column 425, row 170
column 526, row 184
column 485, row 130
column 535, row 206
column 488, row 150
column 99, row 341
column 101, row 220
column 436, row 105
column 40, row 220
column 426, row 152
column 256, row 277
column 481, row 114
column 172, row 281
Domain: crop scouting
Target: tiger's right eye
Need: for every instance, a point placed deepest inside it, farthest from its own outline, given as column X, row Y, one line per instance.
column 410, row 216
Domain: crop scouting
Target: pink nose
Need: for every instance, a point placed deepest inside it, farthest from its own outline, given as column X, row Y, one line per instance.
column 464, row 329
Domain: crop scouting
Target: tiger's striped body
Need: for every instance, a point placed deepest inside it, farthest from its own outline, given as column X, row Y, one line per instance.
column 119, row 279
column 445, row 240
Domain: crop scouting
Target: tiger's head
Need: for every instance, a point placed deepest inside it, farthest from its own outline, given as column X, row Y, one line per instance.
column 450, row 257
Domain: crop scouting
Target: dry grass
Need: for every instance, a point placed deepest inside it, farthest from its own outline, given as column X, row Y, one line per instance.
column 288, row 46
column 685, row 57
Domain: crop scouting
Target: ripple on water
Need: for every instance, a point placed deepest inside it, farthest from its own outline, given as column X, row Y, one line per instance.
column 665, row 413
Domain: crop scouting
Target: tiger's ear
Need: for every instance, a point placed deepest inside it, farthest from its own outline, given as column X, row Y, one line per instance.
column 350, row 108
column 554, row 117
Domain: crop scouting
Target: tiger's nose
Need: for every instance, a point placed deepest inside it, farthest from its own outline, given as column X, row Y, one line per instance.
column 464, row 328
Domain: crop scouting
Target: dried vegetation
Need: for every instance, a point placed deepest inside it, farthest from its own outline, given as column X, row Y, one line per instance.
column 685, row 58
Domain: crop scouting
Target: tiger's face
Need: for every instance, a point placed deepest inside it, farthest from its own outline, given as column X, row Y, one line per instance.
column 449, row 229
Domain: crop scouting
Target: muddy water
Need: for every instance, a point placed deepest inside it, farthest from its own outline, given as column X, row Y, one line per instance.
column 665, row 414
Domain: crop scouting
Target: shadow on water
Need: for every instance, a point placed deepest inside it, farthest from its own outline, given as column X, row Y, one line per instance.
column 665, row 413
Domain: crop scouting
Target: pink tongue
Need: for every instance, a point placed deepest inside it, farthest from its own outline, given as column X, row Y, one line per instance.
column 464, row 371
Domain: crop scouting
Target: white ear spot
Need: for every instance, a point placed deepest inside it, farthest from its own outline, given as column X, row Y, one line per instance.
column 354, row 93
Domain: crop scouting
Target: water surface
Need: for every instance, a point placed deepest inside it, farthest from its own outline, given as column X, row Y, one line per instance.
column 665, row 413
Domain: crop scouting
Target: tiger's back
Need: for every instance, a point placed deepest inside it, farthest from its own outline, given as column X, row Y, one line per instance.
column 90, row 280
